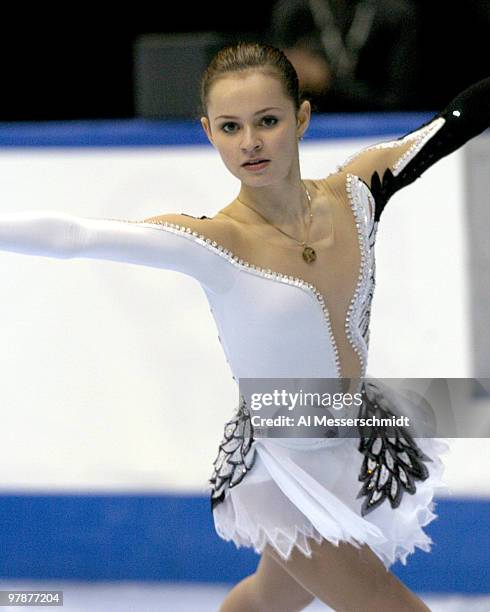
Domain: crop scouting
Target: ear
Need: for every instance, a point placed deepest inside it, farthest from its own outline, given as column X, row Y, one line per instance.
column 303, row 118
column 207, row 129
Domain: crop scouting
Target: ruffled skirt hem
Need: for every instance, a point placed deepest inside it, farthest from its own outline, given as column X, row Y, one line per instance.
column 294, row 496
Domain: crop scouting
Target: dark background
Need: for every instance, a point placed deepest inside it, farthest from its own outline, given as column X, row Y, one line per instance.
column 78, row 64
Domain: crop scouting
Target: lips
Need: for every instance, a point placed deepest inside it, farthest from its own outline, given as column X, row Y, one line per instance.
column 252, row 162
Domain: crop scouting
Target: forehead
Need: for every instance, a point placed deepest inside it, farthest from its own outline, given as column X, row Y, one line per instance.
column 241, row 95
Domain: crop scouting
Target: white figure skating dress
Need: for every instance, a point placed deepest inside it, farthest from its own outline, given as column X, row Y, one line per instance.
column 279, row 317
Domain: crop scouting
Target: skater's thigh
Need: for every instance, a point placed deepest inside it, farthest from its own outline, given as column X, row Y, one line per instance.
column 334, row 559
column 276, row 589
column 337, row 573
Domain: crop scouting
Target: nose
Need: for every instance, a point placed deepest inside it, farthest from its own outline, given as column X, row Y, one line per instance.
column 250, row 140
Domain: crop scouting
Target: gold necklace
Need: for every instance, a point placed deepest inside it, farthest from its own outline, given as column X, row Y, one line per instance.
column 309, row 253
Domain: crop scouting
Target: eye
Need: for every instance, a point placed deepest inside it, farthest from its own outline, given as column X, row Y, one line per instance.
column 224, row 126
column 271, row 117
column 266, row 118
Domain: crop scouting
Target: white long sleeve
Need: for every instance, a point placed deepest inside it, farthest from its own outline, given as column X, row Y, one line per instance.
column 62, row 235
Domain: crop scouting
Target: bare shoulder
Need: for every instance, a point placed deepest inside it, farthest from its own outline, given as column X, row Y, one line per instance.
column 329, row 184
column 217, row 228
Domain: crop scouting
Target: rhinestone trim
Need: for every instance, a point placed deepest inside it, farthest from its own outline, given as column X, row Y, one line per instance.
column 219, row 249
column 420, row 137
column 359, row 311
column 392, row 459
column 236, row 454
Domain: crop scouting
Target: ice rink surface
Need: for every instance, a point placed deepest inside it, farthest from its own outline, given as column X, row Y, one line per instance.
column 185, row 597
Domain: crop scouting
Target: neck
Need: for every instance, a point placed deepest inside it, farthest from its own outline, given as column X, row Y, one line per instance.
column 284, row 205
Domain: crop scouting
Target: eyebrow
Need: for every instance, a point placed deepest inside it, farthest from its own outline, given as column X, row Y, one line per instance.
column 257, row 113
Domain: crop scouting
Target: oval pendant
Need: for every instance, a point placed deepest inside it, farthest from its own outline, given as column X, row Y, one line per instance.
column 309, row 254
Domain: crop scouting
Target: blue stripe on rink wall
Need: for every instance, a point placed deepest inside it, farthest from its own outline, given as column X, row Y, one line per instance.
column 170, row 537
column 148, row 132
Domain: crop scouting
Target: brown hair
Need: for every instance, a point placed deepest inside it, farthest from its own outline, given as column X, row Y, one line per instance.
column 250, row 57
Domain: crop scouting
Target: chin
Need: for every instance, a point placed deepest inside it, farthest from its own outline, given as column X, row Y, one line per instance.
column 265, row 178
column 257, row 181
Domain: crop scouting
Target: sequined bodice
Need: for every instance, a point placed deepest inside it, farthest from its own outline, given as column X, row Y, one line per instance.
column 279, row 317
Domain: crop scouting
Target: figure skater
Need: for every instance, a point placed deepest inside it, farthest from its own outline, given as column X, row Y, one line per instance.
column 288, row 269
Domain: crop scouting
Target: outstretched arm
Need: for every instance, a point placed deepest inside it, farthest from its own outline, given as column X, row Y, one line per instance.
column 62, row 235
column 391, row 165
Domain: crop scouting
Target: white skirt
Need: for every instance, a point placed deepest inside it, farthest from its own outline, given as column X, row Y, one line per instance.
column 299, row 489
